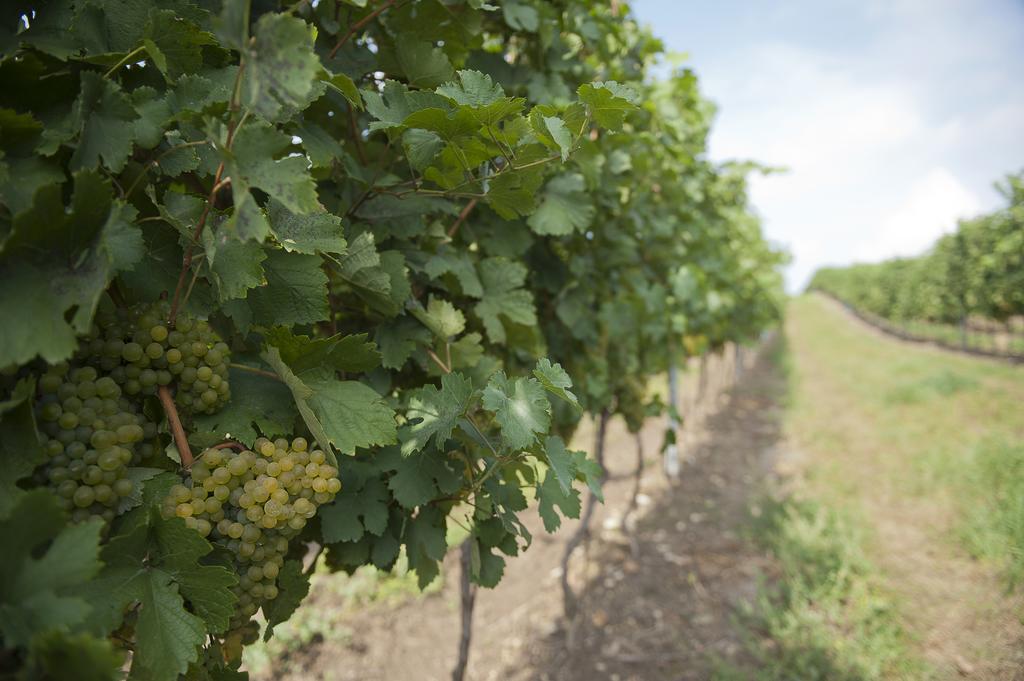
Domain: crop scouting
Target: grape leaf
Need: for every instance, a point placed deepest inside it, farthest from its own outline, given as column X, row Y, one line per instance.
column 57, row 261
column 503, row 297
column 105, row 121
column 424, row 539
column 295, row 292
column 343, row 353
column 44, row 565
column 282, row 67
column 555, row 380
column 254, row 162
column 293, row 585
column 19, row 445
column 564, row 208
column 257, row 402
column 356, row 511
column 609, row 102
column 560, row 462
column 520, row 407
column 311, row 233
column 419, row 477
column 441, row 317
column 437, row 411
column 174, row 43
column 347, row 414
column 484, row 99
column 551, row 495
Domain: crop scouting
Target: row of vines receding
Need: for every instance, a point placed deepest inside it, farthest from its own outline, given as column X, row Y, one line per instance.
column 327, row 277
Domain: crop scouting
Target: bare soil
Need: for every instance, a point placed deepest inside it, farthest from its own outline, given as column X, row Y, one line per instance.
column 667, row 612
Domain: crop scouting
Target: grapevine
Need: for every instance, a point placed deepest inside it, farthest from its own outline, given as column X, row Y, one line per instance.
column 373, row 264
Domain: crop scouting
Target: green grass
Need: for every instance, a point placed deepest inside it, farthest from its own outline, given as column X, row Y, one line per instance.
column 823, row 618
column 890, row 433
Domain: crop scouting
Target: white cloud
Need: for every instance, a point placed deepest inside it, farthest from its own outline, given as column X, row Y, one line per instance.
column 933, row 205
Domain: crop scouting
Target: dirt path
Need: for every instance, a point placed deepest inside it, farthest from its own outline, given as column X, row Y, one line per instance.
column 667, row 614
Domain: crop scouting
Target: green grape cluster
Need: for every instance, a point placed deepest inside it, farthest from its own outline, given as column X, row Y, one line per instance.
column 91, row 433
column 252, row 503
column 142, row 353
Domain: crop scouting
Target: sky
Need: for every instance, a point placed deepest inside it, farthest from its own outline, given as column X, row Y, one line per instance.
column 892, row 118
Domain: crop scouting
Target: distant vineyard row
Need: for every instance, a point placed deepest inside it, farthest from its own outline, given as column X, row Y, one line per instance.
column 973, row 277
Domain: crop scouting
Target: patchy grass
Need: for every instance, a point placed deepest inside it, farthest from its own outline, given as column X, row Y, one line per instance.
column 907, row 461
column 824, row 617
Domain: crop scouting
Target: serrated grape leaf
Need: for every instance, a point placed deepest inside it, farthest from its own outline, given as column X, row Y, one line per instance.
column 155, row 564
column 282, row 67
column 441, row 317
column 467, row 351
column 402, row 216
column 512, row 193
column 44, row 565
column 423, row 64
column 520, row 408
column 437, row 411
column 560, row 462
column 425, row 543
column 502, row 280
column 259, row 404
column 564, row 208
column 590, row 472
column 398, row 339
column 356, row 511
column 295, row 292
column 489, row 568
column 25, row 177
column 347, row 414
column 555, row 380
column 459, row 264
column 138, row 475
column 393, row 104
column 207, row 587
column 343, row 353
column 57, row 262
column 322, row 148
column 19, row 444
column 254, row 161
column 421, row 147
column 168, row 636
column 551, row 495
column 419, row 477
column 174, row 43
column 293, row 585
column 554, row 131
column 60, row 655
column 237, row 267
column 104, row 119
column 449, row 125
column 484, row 99
column 609, row 102
column 310, row 233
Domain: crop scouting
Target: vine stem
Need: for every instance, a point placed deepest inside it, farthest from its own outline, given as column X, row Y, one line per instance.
column 174, row 421
column 254, row 370
column 627, row 517
column 467, row 599
column 360, row 24
column 186, row 260
column 462, row 217
column 127, row 58
column 230, row 444
column 570, row 602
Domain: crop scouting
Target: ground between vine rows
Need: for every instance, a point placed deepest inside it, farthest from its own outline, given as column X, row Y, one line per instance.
column 667, row 614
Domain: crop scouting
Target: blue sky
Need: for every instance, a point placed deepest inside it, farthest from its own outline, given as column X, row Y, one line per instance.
column 893, row 117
